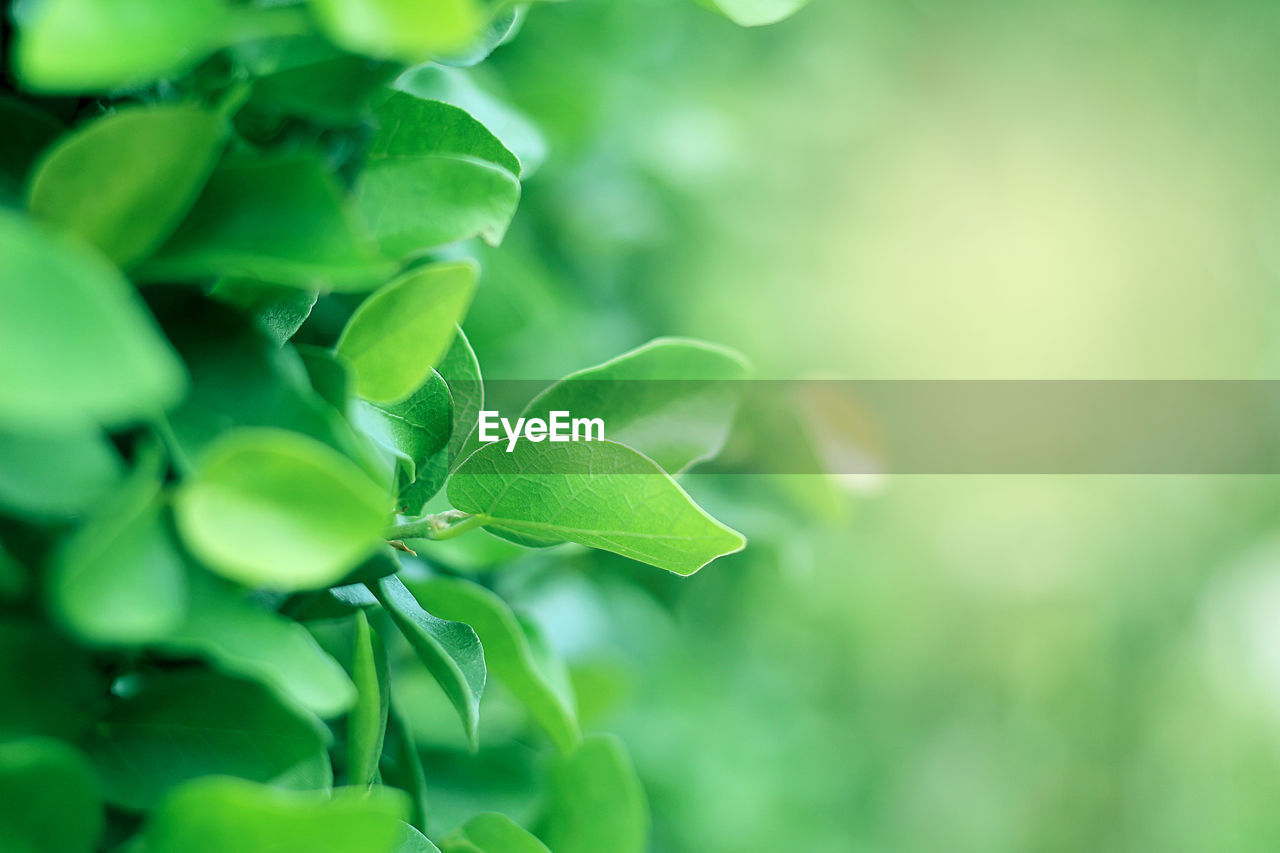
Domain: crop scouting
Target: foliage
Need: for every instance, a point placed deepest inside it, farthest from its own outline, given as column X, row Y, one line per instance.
column 236, row 258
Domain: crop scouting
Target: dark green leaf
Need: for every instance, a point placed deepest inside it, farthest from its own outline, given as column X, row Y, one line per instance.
column 27, row 132
column 51, row 799
column 367, row 723
column 414, row 428
column 49, row 687
column 277, row 310
column 596, row 801
column 48, row 475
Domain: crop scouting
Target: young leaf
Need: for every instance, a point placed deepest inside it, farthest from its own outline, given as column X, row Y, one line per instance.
column 44, row 475
column 672, row 399
column 367, row 723
column 88, row 45
column 184, row 724
column 222, row 815
column 80, row 349
column 405, row 30
column 599, row 493
column 51, row 798
column 277, row 310
column 279, row 220
column 398, row 334
column 414, row 428
column 158, row 158
column 596, row 801
column 755, row 13
column 277, row 510
column 435, row 176
column 506, row 651
column 491, row 833
column 451, row 651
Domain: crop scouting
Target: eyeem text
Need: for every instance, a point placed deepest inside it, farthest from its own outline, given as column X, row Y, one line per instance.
column 559, row 426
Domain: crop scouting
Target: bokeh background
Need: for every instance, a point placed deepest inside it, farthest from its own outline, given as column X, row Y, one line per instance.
column 910, row 189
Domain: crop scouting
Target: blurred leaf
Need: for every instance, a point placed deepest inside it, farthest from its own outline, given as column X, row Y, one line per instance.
column 755, row 13
column 277, row 310
column 401, row 766
column 672, row 399
column 50, row 475
column 13, row 577
column 435, row 176
column 506, row 652
column 599, row 493
column 49, row 686
column 158, row 158
column 367, row 723
column 401, row 332
column 329, row 376
column 309, row 77
column 282, row 220
column 451, row 651
column 89, row 45
column 273, row 509
column 407, row 30
column 223, row 815
column 596, row 801
column 51, row 799
column 80, row 349
column 491, row 833
column 416, row 427
column 180, row 725
column 28, row 131
column 504, row 21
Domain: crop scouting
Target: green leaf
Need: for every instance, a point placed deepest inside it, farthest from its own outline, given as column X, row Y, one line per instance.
column 89, row 45
column 367, row 723
column 402, row 766
column 282, row 220
column 223, row 815
column 49, row 686
column 506, row 652
column 51, row 799
column 158, row 158
column 435, row 176
column 28, row 131
column 401, row 332
column 277, row 310
column 755, row 13
column 414, row 428
column 55, row 475
column 451, row 651
column 672, row 399
column 600, row 494
column 274, row 509
column 180, row 725
column 310, row 78
column 406, row 30
column 413, row 841
column 80, row 349
column 596, row 801
column 120, row 578
column 242, row 638
column 491, row 833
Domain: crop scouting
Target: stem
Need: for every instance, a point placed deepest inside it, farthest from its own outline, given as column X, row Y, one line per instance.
column 441, row 525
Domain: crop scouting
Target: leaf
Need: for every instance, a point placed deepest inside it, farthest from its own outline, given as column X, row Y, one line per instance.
column 242, row 638
column 596, row 801
column 755, row 13
column 502, row 25
column 416, row 427
column 413, row 841
column 28, row 131
column 491, row 833
column 88, row 45
column 282, row 220
column 435, row 176
column 277, row 510
column 367, row 723
column 407, row 30
column 451, row 651
column 309, row 77
column 277, row 310
column 600, row 494
column 55, row 475
column 672, row 399
column 221, row 815
column 51, row 798
column 506, row 652
column 80, row 350
column 158, row 158
column 50, row 687
column 402, row 766
column 184, row 724
column 398, row 334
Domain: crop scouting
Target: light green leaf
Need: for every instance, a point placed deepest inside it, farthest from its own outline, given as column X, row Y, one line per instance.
column 406, row 30
column 672, row 399
column 401, row 332
column 506, row 652
column 51, row 798
column 435, row 176
column 367, row 723
column 158, row 158
column 600, row 494
column 413, row 841
column 222, row 815
column 451, row 651
column 491, row 833
column 755, row 13
column 184, row 724
column 596, row 801
column 80, row 349
column 243, row 638
column 45, row 475
column 274, row 509
column 279, row 220
column 277, row 310
column 414, row 428
column 89, row 45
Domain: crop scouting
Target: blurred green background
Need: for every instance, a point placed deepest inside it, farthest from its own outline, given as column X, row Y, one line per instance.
column 927, row 189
